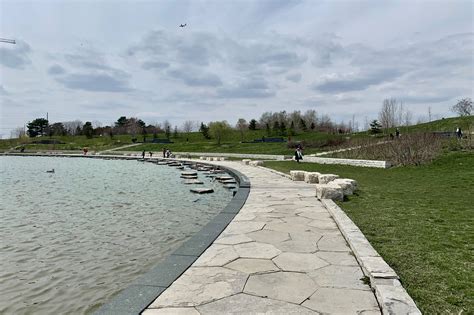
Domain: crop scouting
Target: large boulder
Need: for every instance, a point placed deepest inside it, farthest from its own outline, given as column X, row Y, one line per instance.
column 256, row 163
column 297, row 175
column 311, row 177
column 348, row 185
column 246, row 161
column 329, row 191
column 326, row 178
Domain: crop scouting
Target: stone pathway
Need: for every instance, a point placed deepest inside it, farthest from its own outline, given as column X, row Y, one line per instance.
column 282, row 254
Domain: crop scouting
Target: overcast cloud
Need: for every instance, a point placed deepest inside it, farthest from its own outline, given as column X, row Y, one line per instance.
column 102, row 60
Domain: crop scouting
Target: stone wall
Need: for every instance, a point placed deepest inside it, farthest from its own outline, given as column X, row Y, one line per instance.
column 352, row 162
column 235, row 155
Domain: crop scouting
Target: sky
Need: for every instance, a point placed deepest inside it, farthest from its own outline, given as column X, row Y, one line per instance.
column 99, row 60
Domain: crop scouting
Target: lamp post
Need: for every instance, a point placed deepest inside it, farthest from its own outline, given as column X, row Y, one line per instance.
column 9, row 41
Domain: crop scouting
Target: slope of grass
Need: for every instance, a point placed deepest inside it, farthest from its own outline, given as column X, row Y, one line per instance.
column 421, row 220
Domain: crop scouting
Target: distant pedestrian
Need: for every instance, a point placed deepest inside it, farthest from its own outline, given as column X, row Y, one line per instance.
column 164, row 152
column 151, row 154
column 459, row 133
column 298, row 154
column 397, row 133
column 391, row 136
column 143, row 154
column 85, row 150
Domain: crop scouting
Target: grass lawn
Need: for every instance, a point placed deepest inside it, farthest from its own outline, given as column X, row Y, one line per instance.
column 421, row 220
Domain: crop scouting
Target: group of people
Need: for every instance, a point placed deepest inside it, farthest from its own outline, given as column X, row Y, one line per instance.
column 166, row 153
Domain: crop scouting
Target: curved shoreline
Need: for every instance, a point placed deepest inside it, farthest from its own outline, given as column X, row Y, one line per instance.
column 143, row 291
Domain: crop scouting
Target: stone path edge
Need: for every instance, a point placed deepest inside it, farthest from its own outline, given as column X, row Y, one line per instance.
column 390, row 294
column 143, row 291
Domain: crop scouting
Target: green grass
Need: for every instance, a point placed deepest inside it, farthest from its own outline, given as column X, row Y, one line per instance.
column 421, row 220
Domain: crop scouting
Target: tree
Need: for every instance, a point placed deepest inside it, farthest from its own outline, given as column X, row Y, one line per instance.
column 219, row 129
column 57, row 129
column 282, row 128
column 168, row 131
column 241, row 126
column 253, row 124
column 463, row 107
column 175, row 132
column 375, row 127
column 303, row 125
column 388, row 113
column 18, row 132
column 204, row 129
column 37, row 127
column 276, row 126
column 72, row 127
column 88, row 130
column 313, row 125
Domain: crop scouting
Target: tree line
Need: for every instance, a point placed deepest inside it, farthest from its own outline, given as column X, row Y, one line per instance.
column 392, row 114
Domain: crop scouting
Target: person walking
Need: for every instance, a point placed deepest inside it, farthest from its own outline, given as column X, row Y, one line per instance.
column 164, row 152
column 143, row 154
column 298, row 154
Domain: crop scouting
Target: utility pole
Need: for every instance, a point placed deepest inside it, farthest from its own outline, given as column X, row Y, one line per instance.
column 9, row 41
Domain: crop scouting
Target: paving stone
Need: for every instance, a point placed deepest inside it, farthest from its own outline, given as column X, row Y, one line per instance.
column 249, row 265
column 315, row 214
column 268, row 236
column 257, row 250
column 333, row 243
column 310, row 236
column 171, row 311
column 233, row 239
column 302, row 246
column 338, row 258
column 243, row 227
column 324, row 224
column 216, row 255
column 299, row 262
column 340, row 277
column 288, row 227
column 244, row 216
column 284, row 286
column 199, row 285
column 247, row 304
column 294, row 219
column 341, row 301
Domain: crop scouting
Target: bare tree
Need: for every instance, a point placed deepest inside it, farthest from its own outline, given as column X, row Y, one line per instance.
column 72, row 126
column 310, row 117
column 188, row 126
column 463, row 107
column 407, row 118
column 429, row 114
column 18, row 132
column 387, row 115
column 96, row 124
column 241, row 126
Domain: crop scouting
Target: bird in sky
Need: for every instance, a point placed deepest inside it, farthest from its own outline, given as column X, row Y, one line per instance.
column 182, row 25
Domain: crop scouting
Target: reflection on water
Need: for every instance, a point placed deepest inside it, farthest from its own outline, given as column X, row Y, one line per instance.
column 71, row 239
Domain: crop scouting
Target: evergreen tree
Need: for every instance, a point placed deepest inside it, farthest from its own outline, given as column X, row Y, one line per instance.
column 375, row 127
column 253, row 125
column 168, row 132
column 37, row 127
column 282, row 128
column 276, row 126
column 204, row 129
column 88, row 130
column 303, row 125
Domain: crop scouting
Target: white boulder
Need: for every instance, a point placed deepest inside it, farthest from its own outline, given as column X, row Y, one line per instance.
column 348, row 185
column 326, row 178
column 246, row 161
column 329, row 191
column 311, row 177
column 256, row 163
column 297, row 175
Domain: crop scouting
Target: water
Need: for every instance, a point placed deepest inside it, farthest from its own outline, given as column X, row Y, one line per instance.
column 71, row 239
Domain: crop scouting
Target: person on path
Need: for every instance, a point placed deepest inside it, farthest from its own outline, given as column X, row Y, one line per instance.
column 151, row 154
column 298, row 154
column 143, row 154
column 459, row 133
column 164, row 152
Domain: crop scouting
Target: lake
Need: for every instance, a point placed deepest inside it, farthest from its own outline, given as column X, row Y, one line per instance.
column 71, row 239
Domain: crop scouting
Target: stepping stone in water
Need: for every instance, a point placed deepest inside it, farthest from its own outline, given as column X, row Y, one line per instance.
column 222, row 178
column 189, row 176
column 192, row 182
column 230, row 186
column 228, row 181
column 202, row 190
column 189, row 173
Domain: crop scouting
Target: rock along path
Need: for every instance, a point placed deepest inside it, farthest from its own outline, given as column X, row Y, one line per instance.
column 282, row 254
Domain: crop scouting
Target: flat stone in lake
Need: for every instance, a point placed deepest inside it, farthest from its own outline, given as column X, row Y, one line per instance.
column 189, row 173
column 192, row 182
column 202, row 190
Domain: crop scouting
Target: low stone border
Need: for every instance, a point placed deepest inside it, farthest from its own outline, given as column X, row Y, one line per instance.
column 391, row 295
column 352, row 162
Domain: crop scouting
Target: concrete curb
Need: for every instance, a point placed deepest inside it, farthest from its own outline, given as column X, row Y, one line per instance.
column 391, row 296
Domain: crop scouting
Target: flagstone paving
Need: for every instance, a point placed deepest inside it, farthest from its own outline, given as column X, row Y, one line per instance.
column 282, row 254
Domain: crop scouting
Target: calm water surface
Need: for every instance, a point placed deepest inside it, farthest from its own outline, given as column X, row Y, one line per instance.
column 72, row 239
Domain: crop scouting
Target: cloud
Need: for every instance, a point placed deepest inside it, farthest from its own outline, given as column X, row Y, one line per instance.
column 3, row 91
column 56, row 69
column 195, row 78
column 295, row 77
column 94, row 83
column 16, row 56
column 253, row 88
column 155, row 65
column 357, row 82
column 107, row 106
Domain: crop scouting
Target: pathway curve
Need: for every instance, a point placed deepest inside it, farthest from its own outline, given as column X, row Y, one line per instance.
column 282, row 254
